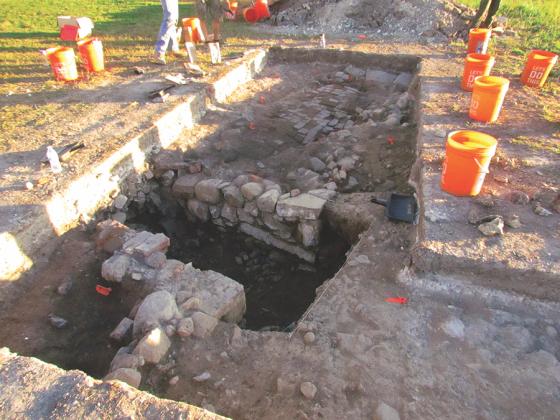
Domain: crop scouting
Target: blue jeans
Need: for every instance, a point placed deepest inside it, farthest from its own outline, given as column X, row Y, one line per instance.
column 168, row 31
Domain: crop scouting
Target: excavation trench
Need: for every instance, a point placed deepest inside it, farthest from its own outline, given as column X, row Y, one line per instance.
column 270, row 190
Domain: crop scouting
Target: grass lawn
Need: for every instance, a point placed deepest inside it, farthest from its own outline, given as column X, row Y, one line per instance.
column 128, row 29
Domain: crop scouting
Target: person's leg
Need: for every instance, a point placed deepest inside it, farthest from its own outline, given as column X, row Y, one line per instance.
column 482, row 7
column 494, row 6
column 216, row 25
column 167, row 31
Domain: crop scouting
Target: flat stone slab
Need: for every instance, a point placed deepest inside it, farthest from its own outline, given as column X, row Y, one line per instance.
column 304, row 207
column 220, row 296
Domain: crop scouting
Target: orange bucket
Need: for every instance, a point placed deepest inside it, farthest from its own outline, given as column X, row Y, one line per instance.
column 476, row 65
column 250, row 14
column 63, row 63
column 487, row 98
column 478, row 40
column 91, row 51
column 261, row 7
column 192, row 27
column 467, row 158
column 538, row 66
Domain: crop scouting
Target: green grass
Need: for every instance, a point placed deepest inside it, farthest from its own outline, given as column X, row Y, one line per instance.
column 128, row 29
column 538, row 22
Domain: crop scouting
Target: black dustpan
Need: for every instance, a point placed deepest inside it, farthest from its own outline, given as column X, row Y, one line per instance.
column 399, row 207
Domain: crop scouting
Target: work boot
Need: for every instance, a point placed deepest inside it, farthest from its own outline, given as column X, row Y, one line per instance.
column 159, row 59
column 180, row 54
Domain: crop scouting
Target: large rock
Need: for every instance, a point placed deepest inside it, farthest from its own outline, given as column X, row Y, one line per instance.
column 203, row 324
column 233, row 196
column 267, row 238
column 153, row 346
column 208, row 190
column 303, row 207
column 403, row 81
column 308, row 232
column 126, row 375
column 144, row 244
column 386, row 412
column 229, row 213
column 156, row 308
column 115, row 268
column 198, row 209
column 184, row 186
column 219, row 296
column 122, row 329
column 267, row 201
column 379, row 77
column 127, row 361
column 112, row 235
column 252, row 190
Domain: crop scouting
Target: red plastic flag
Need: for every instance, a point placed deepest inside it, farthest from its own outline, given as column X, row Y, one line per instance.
column 262, row 99
column 252, row 126
column 361, row 36
column 399, row 300
column 102, row 290
column 390, row 140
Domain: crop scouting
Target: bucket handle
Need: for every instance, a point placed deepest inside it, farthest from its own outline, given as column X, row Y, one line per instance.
column 480, row 167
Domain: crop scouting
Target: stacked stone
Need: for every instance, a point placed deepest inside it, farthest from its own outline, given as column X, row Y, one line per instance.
column 186, row 301
column 257, row 207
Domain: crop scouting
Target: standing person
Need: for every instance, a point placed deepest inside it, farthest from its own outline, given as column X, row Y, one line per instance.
column 212, row 11
column 490, row 7
column 168, row 32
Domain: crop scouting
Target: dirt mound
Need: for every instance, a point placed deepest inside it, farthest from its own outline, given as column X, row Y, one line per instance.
column 403, row 19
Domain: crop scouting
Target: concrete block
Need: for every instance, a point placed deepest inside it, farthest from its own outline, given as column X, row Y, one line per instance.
column 144, row 244
column 115, row 268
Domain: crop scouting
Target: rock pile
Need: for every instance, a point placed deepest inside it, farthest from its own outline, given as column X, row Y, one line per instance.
column 186, row 301
column 403, row 19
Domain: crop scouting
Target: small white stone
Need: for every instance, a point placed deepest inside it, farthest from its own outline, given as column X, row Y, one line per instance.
column 309, row 338
column 308, row 390
column 174, row 380
column 204, row 376
column 454, row 327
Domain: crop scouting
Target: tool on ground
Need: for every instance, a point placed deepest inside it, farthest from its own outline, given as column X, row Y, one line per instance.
column 399, row 207
column 65, row 152
column 160, row 95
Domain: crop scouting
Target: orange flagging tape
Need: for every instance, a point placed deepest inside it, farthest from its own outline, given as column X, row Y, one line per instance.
column 362, row 37
column 390, row 140
column 262, row 99
column 252, row 126
column 399, row 300
column 102, row 290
